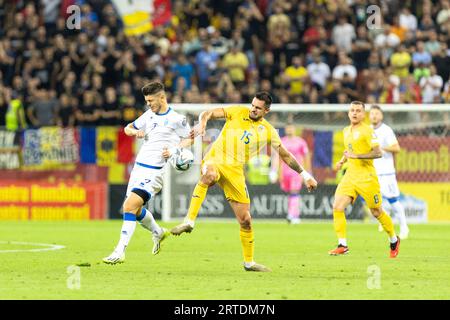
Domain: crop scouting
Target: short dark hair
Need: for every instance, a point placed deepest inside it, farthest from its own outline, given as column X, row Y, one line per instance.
column 152, row 88
column 360, row 103
column 377, row 107
column 264, row 96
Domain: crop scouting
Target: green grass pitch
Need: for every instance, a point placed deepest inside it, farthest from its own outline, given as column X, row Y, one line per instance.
column 207, row 264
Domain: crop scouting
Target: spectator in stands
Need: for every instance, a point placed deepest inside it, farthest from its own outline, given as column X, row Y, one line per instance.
column 431, row 87
column 295, row 75
column 400, row 61
column 318, row 71
column 110, row 114
column 407, row 20
column 345, row 67
column 237, row 63
column 343, row 34
column 442, row 62
column 361, row 48
column 432, row 45
column 43, row 110
column 65, row 116
column 206, row 62
column 420, row 56
column 183, row 69
column 443, row 15
column 87, row 114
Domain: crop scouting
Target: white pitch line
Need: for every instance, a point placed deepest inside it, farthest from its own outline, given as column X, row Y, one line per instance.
column 50, row 247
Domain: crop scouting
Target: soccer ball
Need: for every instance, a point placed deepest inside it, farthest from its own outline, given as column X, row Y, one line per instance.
column 182, row 159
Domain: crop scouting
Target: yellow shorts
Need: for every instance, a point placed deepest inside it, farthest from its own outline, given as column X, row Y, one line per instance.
column 231, row 179
column 365, row 185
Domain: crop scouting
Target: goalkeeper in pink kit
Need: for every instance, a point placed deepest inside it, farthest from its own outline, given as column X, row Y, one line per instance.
column 290, row 181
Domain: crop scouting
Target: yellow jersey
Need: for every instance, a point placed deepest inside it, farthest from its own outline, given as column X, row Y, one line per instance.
column 360, row 140
column 296, row 85
column 242, row 138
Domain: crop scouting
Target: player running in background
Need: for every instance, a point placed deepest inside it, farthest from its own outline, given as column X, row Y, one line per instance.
column 245, row 134
column 361, row 147
column 291, row 181
column 386, row 169
column 161, row 128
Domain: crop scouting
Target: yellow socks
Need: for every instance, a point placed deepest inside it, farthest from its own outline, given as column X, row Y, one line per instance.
column 387, row 224
column 340, row 226
column 198, row 196
column 248, row 245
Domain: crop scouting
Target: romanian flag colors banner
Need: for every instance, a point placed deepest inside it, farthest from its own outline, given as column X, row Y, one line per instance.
column 125, row 147
column 88, row 138
column 106, row 145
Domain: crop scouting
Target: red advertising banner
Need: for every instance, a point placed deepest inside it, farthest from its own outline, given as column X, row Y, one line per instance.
column 34, row 200
column 423, row 159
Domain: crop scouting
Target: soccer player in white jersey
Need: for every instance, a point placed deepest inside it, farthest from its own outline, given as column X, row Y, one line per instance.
column 386, row 169
column 163, row 130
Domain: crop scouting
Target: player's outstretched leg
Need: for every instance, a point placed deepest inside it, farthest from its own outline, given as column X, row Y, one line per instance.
column 198, row 196
column 159, row 233
column 131, row 206
column 208, row 178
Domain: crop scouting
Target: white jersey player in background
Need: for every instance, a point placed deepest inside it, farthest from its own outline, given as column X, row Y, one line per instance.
column 386, row 169
column 163, row 130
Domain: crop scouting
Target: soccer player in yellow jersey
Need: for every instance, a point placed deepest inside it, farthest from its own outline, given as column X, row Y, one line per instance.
column 245, row 134
column 361, row 147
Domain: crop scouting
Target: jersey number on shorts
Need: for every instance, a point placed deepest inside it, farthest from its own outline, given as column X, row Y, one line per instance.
column 246, row 137
column 375, row 198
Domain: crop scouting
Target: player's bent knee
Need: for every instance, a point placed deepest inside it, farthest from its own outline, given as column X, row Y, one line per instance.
column 246, row 222
column 209, row 178
column 376, row 212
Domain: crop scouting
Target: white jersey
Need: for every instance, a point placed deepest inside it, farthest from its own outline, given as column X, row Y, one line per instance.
column 387, row 138
column 161, row 130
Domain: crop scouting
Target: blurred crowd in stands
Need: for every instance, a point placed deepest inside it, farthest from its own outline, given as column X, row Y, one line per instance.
column 303, row 51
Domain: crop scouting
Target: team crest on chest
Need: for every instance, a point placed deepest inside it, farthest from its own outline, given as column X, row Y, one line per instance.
column 260, row 127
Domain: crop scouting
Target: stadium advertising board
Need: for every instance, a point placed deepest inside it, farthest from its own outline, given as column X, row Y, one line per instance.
column 53, row 201
column 267, row 202
column 423, row 170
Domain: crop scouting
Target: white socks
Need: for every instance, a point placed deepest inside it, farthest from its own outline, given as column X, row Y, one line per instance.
column 128, row 227
column 148, row 222
column 399, row 211
column 342, row 242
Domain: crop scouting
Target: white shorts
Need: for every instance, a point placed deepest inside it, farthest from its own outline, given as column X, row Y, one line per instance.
column 146, row 178
column 389, row 186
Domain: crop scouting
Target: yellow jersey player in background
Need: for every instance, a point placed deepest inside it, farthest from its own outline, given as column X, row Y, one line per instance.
column 245, row 134
column 361, row 147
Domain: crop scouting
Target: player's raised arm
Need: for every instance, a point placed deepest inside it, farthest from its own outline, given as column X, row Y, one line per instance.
column 205, row 116
column 131, row 131
column 290, row 160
